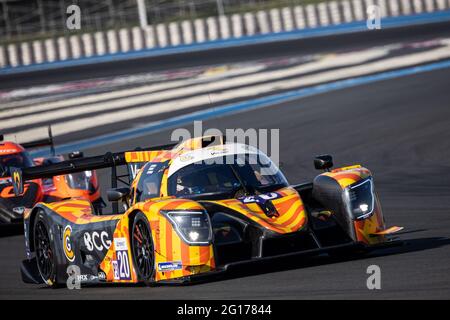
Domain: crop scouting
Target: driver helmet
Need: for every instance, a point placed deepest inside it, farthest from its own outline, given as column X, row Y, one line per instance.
column 185, row 184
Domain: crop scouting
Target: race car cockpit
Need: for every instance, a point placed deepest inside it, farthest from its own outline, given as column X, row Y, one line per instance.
column 231, row 177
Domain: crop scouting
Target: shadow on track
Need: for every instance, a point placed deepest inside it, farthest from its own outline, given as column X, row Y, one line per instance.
column 286, row 264
column 8, row 230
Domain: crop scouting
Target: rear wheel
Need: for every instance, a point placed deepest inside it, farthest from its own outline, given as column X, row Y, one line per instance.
column 45, row 253
column 143, row 249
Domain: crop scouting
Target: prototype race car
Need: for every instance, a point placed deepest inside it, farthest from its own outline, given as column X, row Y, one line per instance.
column 194, row 210
column 12, row 207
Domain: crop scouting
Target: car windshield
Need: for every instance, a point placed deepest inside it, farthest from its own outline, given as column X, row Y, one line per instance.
column 224, row 176
column 150, row 182
column 18, row 160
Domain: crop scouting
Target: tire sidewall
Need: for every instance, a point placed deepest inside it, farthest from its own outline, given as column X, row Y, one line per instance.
column 51, row 281
column 141, row 217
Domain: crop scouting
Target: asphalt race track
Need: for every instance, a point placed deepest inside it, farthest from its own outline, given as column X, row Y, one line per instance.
column 398, row 128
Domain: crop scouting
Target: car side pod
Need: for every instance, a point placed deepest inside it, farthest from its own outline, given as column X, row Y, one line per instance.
column 349, row 193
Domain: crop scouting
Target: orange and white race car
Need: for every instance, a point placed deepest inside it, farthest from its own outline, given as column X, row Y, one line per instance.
column 80, row 185
column 196, row 209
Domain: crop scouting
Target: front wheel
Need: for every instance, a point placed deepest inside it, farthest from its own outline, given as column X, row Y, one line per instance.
column 45, row 253
column 143, row 249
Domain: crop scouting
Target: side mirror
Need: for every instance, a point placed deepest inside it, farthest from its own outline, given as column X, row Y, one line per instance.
column 117, row 194
column 323, row 162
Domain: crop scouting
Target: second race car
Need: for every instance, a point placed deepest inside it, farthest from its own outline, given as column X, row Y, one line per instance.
column 12, row 207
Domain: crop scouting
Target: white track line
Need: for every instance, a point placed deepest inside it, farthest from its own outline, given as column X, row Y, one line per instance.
column 328, row 62
column 92, row 98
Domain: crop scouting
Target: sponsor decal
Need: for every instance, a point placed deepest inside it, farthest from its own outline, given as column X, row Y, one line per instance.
column 151, row 168
column 186, row 157
column 169, row 266
column 218, row 150
column 67, row 244
column 99, row 241
column 260, row 198
column 264, row 201
column 134, row 169
column 82, row 277
column 18, row 188
column 75, row 278
column 101, row 275
column 116, row 270
column 8, row 150
column 120, row 244
column 87, row 278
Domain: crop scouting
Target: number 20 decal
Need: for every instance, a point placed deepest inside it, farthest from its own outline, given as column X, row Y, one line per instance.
column 122, row 266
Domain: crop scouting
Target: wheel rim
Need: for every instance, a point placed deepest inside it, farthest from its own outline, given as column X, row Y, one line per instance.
column 143, row 249
column 44, row 252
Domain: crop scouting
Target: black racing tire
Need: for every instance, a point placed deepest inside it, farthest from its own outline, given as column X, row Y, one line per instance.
column 143, row 249
column 45, row 251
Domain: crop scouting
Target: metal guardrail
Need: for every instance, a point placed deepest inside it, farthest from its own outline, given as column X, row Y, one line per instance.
column 33, row 19
column 203, row 30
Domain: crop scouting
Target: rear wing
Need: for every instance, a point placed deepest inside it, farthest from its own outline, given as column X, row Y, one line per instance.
column 108, row 160
column 20, row 175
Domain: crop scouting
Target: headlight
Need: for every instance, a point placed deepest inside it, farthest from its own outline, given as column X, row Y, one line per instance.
column 193, row 227
column 361, row 199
